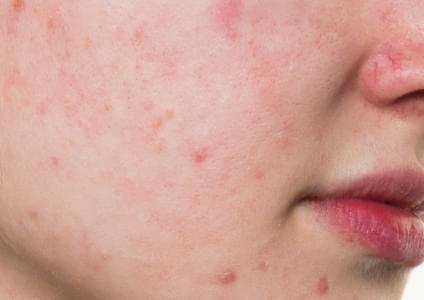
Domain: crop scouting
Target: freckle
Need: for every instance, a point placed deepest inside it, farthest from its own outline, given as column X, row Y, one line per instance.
column 227, row 278
column 18, row 5
column 323, row 286
column 148, row 106
column 201, row 155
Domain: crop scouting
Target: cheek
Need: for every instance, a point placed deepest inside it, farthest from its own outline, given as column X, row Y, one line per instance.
column 168, row 131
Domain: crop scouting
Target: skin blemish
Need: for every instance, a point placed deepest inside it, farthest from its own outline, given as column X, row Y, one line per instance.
column 148, row 106
column 138, row 37
column 227, row 278
column 263, row 266
column 33, row 216
column 323, row 286
column 228, row 15
column 169, row 114
column 259, row 174
column 157, row 123
column 18, row 6
column 54, row 162
column 200, row 156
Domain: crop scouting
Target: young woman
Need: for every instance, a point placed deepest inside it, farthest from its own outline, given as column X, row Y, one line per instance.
column 210, row 149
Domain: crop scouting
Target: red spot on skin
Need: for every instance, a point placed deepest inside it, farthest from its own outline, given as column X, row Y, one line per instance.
column 227, row 278
column 33, row 216
column 148, row 106
column 262, row 266
column 169, row 114
column 157, row 123
column 18, row 5
column 200, row 156
column 228, row 14
column 323, row 286
column 54, row 162
column 138, row 37
column 259, row 174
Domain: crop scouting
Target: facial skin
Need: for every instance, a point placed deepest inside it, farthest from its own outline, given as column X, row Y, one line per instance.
column 158, row 149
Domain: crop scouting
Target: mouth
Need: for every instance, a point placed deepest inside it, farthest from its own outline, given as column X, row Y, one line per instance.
column 379, row 213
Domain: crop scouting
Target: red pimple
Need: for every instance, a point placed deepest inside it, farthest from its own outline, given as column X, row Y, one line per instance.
column 138, row 36
column 18, row 5
column 227, row 278
column 323, row 286
column 228, row 15
column 54, row 162
column 201, row 155
column 157, row 123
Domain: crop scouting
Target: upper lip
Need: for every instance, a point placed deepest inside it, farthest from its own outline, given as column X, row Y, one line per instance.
column 403, row 188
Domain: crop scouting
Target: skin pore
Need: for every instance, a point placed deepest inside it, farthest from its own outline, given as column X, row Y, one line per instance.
column 160, row 149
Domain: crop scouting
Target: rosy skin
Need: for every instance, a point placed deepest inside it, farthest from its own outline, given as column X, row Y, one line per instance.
column 157, row 149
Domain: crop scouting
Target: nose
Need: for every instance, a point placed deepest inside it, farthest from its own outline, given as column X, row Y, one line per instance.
column 394, row 71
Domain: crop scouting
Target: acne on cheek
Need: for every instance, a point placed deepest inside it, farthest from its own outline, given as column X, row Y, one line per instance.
column 323, row 286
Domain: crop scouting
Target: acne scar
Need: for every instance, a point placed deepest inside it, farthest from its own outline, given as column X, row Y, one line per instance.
column 323, row 286
column 227, row 278
column 18, row 5
column 228, row 14
column 200, row 155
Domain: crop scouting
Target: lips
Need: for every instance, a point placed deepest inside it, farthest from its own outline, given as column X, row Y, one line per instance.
column 378, row 213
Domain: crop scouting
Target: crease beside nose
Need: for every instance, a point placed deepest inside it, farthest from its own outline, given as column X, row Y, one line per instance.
column 392, row 71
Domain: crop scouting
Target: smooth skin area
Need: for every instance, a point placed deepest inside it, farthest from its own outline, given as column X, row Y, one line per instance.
column 158, row 150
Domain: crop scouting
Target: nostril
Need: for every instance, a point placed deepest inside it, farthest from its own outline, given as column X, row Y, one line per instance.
column 415, row 95
column 393, row 73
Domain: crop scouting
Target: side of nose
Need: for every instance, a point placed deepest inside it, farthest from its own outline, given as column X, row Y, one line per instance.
column 393, row 71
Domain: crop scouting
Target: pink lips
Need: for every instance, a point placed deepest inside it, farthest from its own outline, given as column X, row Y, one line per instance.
column 378, row 213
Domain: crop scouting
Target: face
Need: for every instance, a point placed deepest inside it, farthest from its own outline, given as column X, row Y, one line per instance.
column 169, row 149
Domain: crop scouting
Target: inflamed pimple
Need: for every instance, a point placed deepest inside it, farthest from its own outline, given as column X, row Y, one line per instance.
column 200, row 155
column 227, row 278
column 323, row 286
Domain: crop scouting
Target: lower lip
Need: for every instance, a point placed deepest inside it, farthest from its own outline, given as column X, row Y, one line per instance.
column 382, row 230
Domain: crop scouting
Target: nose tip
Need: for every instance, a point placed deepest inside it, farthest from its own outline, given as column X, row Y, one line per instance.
column 392, row 72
